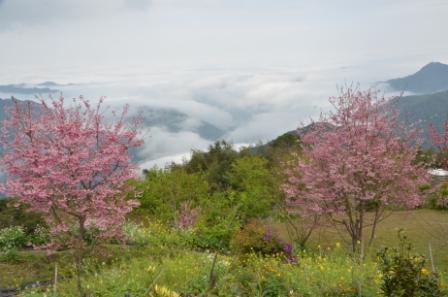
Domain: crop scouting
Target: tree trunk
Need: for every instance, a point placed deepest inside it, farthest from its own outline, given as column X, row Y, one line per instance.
column 78, row 266
column 79, row 255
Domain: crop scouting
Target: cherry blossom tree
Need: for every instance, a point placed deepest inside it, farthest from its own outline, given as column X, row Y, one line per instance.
column 440, row 141
column 69, row 164
column 358, row 168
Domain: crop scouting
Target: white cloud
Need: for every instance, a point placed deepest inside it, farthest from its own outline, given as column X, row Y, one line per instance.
column 165, row 161
column 249, row 106
column 160, row 143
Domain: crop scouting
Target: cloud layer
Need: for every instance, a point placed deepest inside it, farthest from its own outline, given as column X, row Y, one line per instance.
column 187, row 110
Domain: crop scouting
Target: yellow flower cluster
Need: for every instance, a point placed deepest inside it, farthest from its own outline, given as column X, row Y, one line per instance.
column 161, row 291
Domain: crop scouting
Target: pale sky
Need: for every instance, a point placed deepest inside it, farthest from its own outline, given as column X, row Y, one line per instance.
column 252, row 68
column 172, row 34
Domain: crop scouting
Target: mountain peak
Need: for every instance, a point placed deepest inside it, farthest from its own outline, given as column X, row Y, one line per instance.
column 431, row 78
column 434, row 66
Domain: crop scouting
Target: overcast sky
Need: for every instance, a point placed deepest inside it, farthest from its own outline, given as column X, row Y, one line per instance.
column 253, row 68
column 172, row 34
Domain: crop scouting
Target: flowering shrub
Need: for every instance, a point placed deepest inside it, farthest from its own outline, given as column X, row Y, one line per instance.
column 405, row 274
column 257, row 238
column 186, row 216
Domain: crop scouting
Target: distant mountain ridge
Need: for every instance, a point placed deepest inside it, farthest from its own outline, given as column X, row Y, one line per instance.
column 5, row 103
column 432, row 78
column 26, row 90
column 418, row 111
column 421, row 111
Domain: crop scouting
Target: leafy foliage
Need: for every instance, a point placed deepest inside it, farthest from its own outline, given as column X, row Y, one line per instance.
column 162, row 192
column 219, row 220
column 219, row 190
column 254, row 187
column 215, row 163
column 12, row 238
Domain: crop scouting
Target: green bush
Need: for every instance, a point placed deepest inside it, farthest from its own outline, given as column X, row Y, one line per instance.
column 14, row 214
column 213, row 237
column 439, row 198
column 164, row 191
column 40, row 236
column 157, row 236
column 214, row 164
column 254, row 187
column 135, row 234
column 12, row 238
column 255, row 237
column 405, row 273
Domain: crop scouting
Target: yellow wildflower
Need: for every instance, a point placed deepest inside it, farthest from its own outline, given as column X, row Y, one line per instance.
column 150, row 269
column 162, row 291
column 424, row 270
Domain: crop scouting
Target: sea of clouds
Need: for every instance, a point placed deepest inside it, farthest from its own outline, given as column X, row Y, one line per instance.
column 188, row 110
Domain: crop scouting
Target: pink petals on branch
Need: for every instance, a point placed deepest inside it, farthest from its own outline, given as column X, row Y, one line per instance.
column 69, row 164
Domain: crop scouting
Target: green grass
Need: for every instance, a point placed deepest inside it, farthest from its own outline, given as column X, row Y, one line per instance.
column 423, row 227
column 24, row 267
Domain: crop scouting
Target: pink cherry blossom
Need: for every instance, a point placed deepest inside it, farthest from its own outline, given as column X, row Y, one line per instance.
column 440, row 141
column 365, row 161
column 70, row 165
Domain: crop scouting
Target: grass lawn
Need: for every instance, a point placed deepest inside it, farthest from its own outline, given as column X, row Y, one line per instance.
column 423, row 227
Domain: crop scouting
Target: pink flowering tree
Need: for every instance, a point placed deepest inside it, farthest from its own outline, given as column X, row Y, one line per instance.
column 357, row 169
column 440, row 141
column 187, row 216
column 70, row 165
